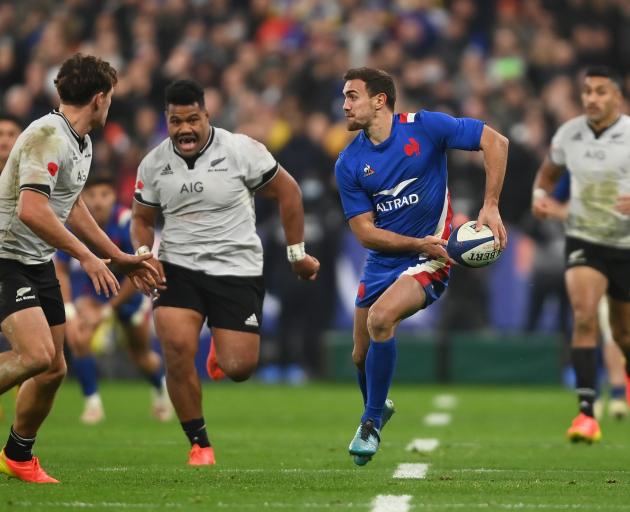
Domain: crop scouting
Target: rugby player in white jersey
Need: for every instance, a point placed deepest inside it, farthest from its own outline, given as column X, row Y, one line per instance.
column 203, row 179
column 39, row 191
column 594, row 147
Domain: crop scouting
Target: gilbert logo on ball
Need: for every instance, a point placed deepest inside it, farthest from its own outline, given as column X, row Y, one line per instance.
column 472, row 248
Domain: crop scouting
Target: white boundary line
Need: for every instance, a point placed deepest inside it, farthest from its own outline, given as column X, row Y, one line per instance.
column 437, row 419
column 422, row 445
column 414, row 470
column 445, row 401
column 390, row 503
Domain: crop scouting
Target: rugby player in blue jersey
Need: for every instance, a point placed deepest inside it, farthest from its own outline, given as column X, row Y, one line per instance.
column 86, row 310
column 393, row 185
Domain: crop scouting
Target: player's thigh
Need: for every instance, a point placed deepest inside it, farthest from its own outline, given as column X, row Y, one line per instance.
column 402, row 299
column 178, row 330
column 236, row 349
column 585, row 287
column 620, row 321
column 360, row 336
column 30, row 335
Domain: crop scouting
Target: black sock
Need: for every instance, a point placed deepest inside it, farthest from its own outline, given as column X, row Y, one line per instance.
column 585, row 364
column 19, row 448
column 195, row 430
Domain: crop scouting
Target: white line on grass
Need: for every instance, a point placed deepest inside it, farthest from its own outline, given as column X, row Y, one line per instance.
column 422, row 445
column 98, row 504
column 445, row 401
column 437, row 419
column 406, row 470
column 389, row 503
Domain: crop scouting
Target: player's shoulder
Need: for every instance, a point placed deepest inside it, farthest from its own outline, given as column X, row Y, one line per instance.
column 239, row 142
column 351, row 150
column 46, row 128
column 573, row 129
column 156, row 158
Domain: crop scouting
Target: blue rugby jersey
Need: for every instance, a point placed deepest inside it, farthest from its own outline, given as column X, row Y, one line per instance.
column 403, row 180
column 118, row 230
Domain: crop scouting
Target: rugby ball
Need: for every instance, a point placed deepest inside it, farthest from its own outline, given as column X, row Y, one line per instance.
column 472, row 248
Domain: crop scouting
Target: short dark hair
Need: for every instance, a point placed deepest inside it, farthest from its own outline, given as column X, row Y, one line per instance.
column 100, row 178
column 184, row 92
column 82, row 76
column 606, row 72
column 376, row 81
column 5, row 116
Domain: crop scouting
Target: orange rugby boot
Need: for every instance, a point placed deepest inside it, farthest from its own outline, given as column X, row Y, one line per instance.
column 212, row 367
column 29, row 471
column 584, row 428
column 199, row 456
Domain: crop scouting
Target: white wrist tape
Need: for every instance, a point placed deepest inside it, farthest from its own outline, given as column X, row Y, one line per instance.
column 143, row 249
column 71, row 311
column 296, row 252
column 539, row 193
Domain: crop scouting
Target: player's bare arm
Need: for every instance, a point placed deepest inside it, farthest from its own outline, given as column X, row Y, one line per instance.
column 495, row 151
column 143, row 220
column 284, row 189
column 546, row 179
column 379, row 239
column 135, row 266
column 623, row 204
column 35, row 211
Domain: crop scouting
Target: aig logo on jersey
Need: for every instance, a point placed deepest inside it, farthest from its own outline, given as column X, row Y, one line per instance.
column 191, row 188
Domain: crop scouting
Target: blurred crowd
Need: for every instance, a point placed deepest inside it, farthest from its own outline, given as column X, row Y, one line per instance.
column 273, row 68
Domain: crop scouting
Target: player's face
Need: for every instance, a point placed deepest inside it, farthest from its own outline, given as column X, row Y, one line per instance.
column 9, row 132
column 601, row 99
column 100, row 200
column 358, row 107
column 188, row 127
column 102, row 103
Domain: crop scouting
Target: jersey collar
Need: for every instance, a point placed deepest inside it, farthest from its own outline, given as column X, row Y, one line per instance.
column 190, row 160
column 598, row 134
column 366, row 140
column 80, row 140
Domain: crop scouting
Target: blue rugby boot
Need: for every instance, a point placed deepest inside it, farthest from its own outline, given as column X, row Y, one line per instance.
column 388, row 412
column 365, row 443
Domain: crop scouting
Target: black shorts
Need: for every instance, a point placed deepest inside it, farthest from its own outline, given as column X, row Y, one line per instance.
column 228, row 302
column 612, row 262
column 26, row 286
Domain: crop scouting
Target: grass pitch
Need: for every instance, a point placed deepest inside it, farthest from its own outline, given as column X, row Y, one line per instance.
column 285, row 449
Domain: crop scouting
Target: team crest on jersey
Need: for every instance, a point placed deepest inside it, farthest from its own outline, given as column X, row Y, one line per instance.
column 368, row 170
column 412, row 148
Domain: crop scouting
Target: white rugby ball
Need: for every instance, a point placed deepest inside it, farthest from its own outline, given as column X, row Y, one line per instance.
column 472, row 248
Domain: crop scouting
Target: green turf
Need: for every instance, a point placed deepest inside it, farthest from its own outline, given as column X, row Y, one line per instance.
column 285, row 449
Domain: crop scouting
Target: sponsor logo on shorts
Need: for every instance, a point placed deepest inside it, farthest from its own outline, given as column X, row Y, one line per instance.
column 576, row 257
column 21, row 294
column 252, row 321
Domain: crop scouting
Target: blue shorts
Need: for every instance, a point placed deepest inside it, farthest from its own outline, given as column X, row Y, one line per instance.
column 431, row 274
column 133, row 311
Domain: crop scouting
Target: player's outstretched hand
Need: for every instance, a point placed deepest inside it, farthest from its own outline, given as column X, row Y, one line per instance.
column 490, row 216
column 102, row 278
column 623, row 204
column 433, row 246
column 143, row 274
column 306, row 268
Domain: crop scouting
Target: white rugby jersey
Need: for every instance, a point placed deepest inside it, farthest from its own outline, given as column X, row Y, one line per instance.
column 600, row 172
column 208, row 202
column 52, row 159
